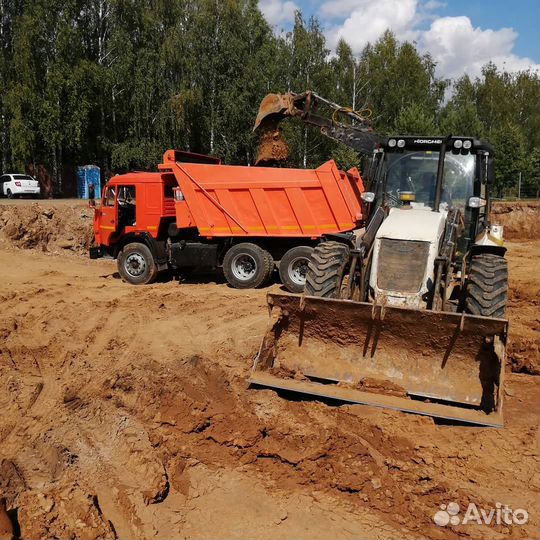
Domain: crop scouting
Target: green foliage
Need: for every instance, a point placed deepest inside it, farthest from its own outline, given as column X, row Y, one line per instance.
column 396, row 77
column 139, row 154
column 413, row 119
column 117, row 82
column 461, row 120
column 530, row 185
column 502, row 108
column 510, row 147
column 345, row 157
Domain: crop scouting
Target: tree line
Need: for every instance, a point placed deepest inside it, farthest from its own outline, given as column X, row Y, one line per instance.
column 117, row 82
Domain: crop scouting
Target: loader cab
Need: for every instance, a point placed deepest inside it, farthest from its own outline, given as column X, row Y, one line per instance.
column 407, row 172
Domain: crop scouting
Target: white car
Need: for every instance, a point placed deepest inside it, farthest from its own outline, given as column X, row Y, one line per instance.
column 18, row 185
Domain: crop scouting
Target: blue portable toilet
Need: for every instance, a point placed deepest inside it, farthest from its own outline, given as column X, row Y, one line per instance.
column 86, row 175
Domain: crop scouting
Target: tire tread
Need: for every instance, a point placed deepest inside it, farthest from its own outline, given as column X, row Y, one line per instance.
column 487, row 286
column 326, row 268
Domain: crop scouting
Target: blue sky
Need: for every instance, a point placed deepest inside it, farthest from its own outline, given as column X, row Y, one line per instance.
column 461, row 35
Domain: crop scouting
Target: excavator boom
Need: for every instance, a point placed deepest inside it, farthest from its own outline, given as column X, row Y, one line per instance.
column 356, row 132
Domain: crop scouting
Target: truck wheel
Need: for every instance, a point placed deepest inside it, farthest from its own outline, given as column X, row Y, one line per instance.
column 136, row 264
column 293, row 268
column 247, row 266
column 487, row 286
column 326, row 269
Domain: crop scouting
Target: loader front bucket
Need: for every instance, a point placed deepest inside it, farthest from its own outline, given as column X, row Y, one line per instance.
column 446, row 365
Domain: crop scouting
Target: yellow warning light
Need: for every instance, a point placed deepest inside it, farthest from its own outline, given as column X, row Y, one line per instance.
column 407, row 196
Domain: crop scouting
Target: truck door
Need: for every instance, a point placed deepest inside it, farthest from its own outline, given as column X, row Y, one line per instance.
column 108, row 215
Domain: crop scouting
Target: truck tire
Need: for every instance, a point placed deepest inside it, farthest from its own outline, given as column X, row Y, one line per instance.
column 326, row 269
column 487, row 286
column 136, row 264
column 293, row 268
column 247, row 266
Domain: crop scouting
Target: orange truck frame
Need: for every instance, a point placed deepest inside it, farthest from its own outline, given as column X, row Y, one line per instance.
column 195, row 212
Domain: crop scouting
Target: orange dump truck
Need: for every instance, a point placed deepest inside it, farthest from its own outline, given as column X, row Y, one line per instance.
column 196, row 212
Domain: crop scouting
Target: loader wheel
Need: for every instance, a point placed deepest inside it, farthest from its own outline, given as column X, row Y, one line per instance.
column 326, row 270
column 136, row 264
column 293, row 268
column 487, row 286
column 247, row 266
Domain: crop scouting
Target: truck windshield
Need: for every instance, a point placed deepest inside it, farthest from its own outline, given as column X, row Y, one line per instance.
column 416, row 171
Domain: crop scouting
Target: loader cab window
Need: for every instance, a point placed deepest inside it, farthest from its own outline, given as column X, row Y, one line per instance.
column 126, row 206
column 416, row 171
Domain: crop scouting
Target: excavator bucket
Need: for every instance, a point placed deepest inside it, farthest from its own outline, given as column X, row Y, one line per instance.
column 440, row 364
column 273, row 148
column 275, row 107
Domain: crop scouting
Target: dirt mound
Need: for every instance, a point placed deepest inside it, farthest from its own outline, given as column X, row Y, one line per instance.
column 523, row 306
column 45, row 227
column 521, row 219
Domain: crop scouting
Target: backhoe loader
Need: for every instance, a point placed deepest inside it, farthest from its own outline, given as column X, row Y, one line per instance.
column 407, row 313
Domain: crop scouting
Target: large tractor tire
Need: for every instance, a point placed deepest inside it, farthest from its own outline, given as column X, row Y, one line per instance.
column 293, row 268
column 487, row 286
column 247, row 266
column 326, row 270
column 136, row 264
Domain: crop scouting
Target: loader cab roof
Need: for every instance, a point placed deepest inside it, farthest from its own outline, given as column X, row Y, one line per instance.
column 398, row 143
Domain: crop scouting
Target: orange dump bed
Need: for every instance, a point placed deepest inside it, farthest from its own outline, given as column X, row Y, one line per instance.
column 226, row 200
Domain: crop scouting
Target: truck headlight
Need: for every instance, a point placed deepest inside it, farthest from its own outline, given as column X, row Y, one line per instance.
column 368, row 196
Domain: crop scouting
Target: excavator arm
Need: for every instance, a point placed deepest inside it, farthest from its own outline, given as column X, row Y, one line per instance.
column 357, row 134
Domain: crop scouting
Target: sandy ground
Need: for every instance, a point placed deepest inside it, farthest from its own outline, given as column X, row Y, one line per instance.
column 126, row 414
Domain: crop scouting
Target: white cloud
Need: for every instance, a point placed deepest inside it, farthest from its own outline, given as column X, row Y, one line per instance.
column 434, row 4
column 460, row 48
column 278, row 11
column 453, row 42
column 367, row 20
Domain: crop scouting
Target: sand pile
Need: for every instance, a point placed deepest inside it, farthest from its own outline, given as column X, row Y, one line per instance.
column 47, row 228
column 521, row 219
